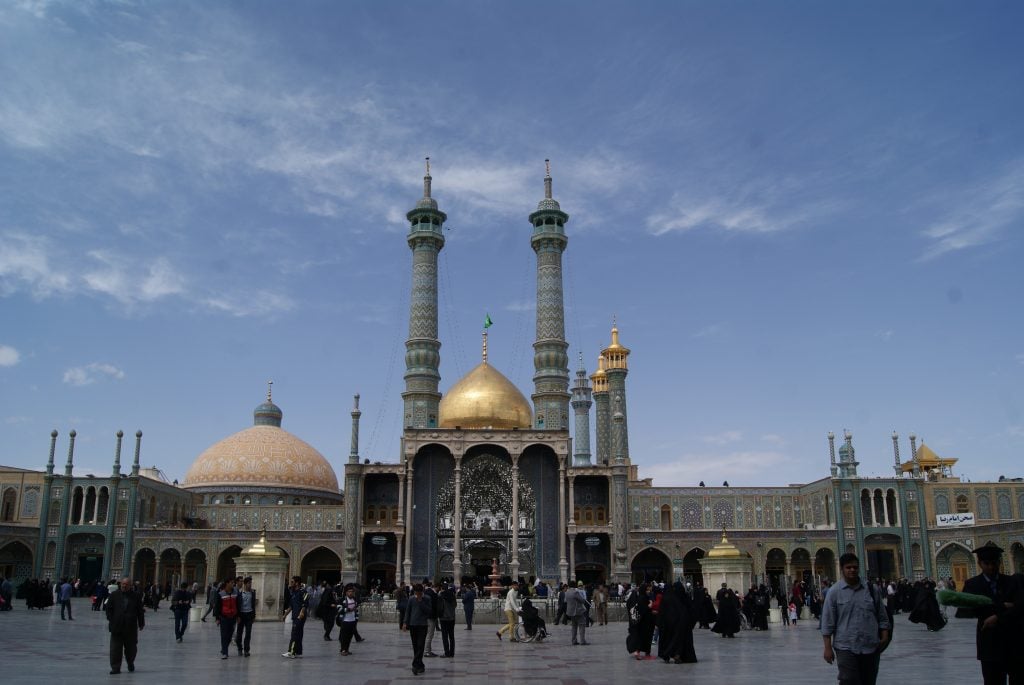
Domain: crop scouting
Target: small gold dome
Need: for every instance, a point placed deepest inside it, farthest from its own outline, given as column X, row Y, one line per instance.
column 725, row 550
column 484, row 398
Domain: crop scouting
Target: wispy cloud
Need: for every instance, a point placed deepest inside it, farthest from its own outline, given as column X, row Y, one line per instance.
column 257, row 303
column 131, row 284
column 723, row 438
column 977, row 214
column 90, row 373
column 708, row 331
column 9, row 356
column 25, row 264
column 773, row 439
column 1019, row 357
column 13, row 420
column 739, row 468
column 521, row 306
column 886, row 335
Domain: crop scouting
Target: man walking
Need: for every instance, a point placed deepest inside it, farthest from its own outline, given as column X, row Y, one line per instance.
column 246, row 616
column 125, row 618
column 180, row 605
column 601, row 604
column 560, row 613
column 446, row 617
column 576, row 608
column 431, row 593
column 418, row 612
column 854, row 626
column 328, row 609
column 225, row 612
column 469, row 604
column 298, row 604
column 512, row 608
column 348, row 616
column 65, row 599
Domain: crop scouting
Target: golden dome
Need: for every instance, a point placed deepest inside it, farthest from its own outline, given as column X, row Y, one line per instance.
column 266, row 456
column 724, row 550
column 484, row 398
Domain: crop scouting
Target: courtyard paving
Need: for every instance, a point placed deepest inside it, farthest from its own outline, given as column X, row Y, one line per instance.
column 40, row 648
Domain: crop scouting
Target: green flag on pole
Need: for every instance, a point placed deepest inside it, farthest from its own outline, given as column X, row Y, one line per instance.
column 487, row 321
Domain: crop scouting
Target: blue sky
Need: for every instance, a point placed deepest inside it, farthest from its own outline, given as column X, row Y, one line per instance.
column 805, row 216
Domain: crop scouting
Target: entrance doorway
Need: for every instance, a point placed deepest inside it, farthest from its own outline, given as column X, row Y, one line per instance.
column 651, row 564
column 90, row 568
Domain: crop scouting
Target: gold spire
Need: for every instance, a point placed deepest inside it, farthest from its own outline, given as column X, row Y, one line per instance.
column 270, row 385
column 259, row 549
column 600, row 378
column 485, row 347
column 616, row 353
column 724, row 549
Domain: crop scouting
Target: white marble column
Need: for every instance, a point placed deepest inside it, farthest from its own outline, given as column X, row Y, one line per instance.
column 885, row 510
column 514, row 567
column 563, row 564
column 407, row 561
column 400, row 524
column 457, row 551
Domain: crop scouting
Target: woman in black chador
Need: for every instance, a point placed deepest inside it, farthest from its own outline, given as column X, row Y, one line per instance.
column 728, row 623
column 926, row 607
column 641, row 622
column 676, row 620
column 705, row 608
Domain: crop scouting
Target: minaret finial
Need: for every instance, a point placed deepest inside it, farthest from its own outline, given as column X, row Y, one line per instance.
column 426, row 180
column 270, row 386
column 485, row 347
column 547, row 179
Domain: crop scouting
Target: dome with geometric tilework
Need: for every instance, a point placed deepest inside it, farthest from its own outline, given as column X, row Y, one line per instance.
column 264, row 457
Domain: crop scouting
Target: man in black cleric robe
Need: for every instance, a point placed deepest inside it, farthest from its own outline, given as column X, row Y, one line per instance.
column 998, row 633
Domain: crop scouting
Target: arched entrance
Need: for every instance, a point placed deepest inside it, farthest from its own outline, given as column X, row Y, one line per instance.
column 226, row 563
column 170, row 569
column 195, row 567
column 651, row 564
column 692, row 572
column 824, row 564
column 775, row 569
column 1017, row 557
column 7, row 505
column 319, row 565
column 16, row 562
column 954, row 561
column 800, row 565
column 144, row 568
column 884, row 557
column 83, row 557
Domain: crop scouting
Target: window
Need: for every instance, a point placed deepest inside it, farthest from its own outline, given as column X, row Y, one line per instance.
column 576, row 514
column 229, row 499
column 600, row 515
column 941, row 504
column 962, row 505
column 666, row 517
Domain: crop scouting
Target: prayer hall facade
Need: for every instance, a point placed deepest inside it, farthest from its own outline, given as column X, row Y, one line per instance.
column 484, row 474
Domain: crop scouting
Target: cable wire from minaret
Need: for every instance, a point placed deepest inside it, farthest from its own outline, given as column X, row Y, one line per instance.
column 385, row 400
column 571, row 283
column 519, row 329
column 447, row 293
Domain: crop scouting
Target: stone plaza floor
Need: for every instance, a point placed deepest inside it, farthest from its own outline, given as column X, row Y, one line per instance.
column 40, row 648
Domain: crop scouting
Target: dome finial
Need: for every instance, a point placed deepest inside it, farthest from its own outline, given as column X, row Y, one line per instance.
column 270, row 385
column 547, row 179
column 485, row 347
column 426, row 181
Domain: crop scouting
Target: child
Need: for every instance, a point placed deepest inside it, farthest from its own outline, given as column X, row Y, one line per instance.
column 793, row 616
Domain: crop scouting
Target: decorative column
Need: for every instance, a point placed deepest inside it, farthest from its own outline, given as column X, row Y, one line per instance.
column 581, row 404
column 457, row 552
column 832, row 453
column 896, row 453
column 570, row 569
column 65, row 508
column 514, row 557
column 407, row 558
column 620, row 528
column 156, row 572
column 422, row 348
column 563, row 564
column 353, row 509
column 572, row 557
column 44, row 510
column 400, row 541
column 112, row 500
column 913, row 455
column 602, row 414
column 550, row 357
column 617, row 359
column 133, row 503
column 885, row 509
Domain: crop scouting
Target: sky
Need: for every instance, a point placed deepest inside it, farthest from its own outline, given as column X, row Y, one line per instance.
column 804, row 217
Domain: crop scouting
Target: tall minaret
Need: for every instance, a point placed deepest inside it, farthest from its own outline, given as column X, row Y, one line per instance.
column 550, row 357
column 617, row 359
column 422, row 348
column 602, row 414
column 581, row 403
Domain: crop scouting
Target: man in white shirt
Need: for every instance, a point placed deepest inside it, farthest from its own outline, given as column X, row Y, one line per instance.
column 512, row 607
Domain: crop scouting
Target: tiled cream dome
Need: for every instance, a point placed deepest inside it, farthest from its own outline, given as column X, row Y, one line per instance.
column 265, row 456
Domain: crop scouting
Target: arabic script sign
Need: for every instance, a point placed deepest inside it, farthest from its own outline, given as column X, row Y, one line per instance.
column 955, row 520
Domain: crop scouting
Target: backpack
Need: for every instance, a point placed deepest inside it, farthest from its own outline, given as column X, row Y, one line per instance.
column 229, row 606
column 885, row 608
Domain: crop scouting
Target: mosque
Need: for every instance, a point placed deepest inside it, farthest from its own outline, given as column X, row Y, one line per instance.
column 486, row 475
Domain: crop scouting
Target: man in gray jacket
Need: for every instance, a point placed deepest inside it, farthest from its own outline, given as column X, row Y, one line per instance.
column 576, row 608
column 418, row 613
